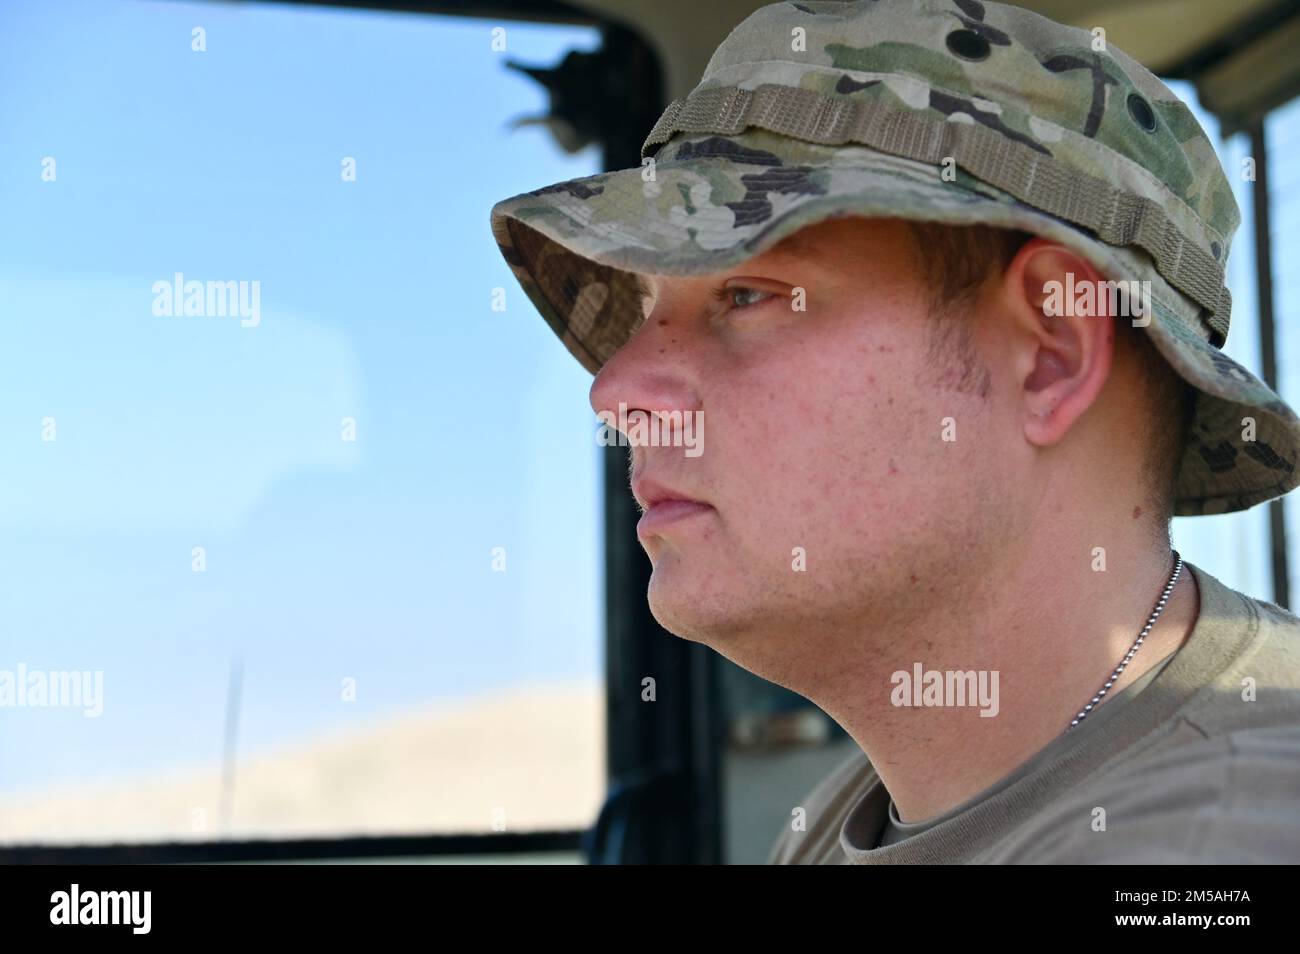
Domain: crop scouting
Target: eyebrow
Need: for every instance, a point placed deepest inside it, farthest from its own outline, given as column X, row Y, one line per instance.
column 793, row 245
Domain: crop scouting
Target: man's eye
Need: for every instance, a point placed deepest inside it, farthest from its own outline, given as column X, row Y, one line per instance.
column 740, row 297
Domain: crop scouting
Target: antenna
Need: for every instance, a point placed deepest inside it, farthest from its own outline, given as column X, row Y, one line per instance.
column 233, row 696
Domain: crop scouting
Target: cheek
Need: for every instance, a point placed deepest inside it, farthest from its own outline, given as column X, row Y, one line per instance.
column 823, row 436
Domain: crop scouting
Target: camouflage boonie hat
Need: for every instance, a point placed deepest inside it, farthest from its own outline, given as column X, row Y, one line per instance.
column 813, row 110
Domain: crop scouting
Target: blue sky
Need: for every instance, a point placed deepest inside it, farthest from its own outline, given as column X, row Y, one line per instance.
column 326, row 559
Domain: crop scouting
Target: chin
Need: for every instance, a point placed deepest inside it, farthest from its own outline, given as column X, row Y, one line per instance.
column 673, row 605
column 680, row 606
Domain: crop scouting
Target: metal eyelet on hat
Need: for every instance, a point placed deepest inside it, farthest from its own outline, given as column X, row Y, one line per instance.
column 1141, row 112
column 968, row 44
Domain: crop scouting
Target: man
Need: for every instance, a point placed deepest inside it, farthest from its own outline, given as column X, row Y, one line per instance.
column 871, row 253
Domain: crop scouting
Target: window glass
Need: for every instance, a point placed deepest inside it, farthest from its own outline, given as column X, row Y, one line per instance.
column 319, row 554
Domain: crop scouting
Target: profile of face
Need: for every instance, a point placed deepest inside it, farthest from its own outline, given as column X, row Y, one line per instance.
column 846, row 479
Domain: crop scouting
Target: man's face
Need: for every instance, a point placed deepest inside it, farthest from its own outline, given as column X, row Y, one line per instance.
column 826, row 495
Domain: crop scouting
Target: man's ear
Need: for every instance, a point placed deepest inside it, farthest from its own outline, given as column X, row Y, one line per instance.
column 1062, row 336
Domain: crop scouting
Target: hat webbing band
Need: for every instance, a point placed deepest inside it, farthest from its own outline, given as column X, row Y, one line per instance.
column 1115, row 216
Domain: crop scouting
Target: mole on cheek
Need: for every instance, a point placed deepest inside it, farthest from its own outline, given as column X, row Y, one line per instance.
column 663, row 322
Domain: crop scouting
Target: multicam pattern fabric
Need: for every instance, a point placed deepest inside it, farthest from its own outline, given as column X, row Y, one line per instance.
column 704, row 203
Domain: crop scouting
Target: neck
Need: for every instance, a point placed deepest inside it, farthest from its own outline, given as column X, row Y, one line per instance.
column 1041, row 646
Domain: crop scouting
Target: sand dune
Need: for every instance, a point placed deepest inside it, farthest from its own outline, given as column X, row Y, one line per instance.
column 523, row 759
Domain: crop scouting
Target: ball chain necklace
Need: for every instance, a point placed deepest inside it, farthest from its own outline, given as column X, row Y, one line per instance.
column 1151, row 621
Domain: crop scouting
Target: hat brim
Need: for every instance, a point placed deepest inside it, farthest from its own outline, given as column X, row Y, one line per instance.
column 711, row 203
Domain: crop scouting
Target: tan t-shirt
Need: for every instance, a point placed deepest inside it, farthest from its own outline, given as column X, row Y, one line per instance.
column 1202, row 765
column 896, row 830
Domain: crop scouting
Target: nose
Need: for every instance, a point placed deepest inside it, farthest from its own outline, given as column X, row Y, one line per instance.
column 651, row 372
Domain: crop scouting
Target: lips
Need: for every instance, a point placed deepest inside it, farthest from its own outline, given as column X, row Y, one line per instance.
column 662, row 506
column 650, row 494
